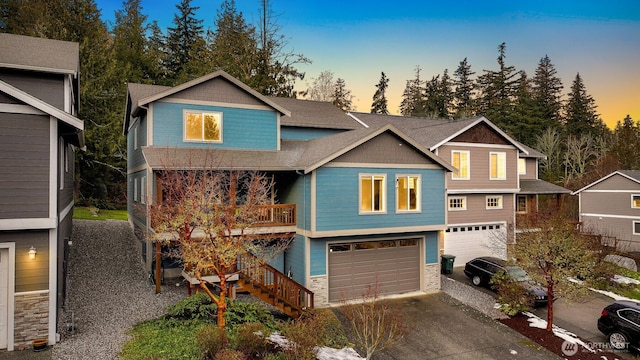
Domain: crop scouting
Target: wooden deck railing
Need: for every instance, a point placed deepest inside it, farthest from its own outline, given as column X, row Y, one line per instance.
column 280, row 288
column 276, row 215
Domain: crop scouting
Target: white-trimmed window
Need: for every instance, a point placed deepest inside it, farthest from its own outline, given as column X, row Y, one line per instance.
column 143, row 193
column 135, row 138
column 494, row 202
column 461, row 161
column 372, row 193
column 457, row 203
column 635, row 201
column 636, row 228
column 135, row 189
column 497, row 166
column 202, row 126
column 522, row 166
column 408, row 193
column 521, row 204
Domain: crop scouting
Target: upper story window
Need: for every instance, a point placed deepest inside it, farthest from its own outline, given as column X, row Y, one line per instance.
column 494, row 202
column 522, row 166
column 202, row 126
column 460, row 160
column 635, row 201
column 372, row 193
column 497, row 166
column 408, row 193
column 457, row 203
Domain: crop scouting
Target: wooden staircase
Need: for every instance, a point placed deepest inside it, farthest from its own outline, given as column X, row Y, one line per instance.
column 273, row 287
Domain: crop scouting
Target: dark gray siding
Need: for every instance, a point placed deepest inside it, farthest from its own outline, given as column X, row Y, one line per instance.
column 218, row 90
column 64, row 235
column 385, row 149
column 31, row 275
column 46, row 87
column 24, row 166
column 66, row 172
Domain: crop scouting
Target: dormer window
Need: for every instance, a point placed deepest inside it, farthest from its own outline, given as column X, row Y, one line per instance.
column 202, row 126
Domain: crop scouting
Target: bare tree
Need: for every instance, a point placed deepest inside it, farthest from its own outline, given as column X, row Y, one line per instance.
column 209, row 214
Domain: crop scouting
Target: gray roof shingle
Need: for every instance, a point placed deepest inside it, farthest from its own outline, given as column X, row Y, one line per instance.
column 537, row 186
column 32, row 53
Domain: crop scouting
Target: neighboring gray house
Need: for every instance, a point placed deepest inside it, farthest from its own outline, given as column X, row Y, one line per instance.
column 611, row 207
column 39, row 134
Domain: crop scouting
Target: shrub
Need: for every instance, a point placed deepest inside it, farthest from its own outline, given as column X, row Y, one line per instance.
column 251, row 339
column 301, row 334
column 198, row 307
column 329, row 329
column 512, row 296
column 241, row 312
column 230, row 354
column 210, row 340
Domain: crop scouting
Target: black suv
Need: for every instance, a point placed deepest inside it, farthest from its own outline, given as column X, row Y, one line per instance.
column 620, row 321
column 481, row 270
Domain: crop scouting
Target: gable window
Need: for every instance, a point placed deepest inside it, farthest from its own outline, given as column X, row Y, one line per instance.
column 498, row 166
column 372, row 194
column 202, row 126
column 494, row 202
column 460, row 160
column 635, row 201
column 521, row 204
column 457, row 203
column 407, row 193
column 636, row 228
column 522, row 166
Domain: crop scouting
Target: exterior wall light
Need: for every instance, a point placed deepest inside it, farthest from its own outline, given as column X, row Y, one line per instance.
column 32, row 253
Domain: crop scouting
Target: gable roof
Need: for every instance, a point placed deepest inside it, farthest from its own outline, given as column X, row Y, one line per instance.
column 434, row 133
column 38, row 54
column 633, row 175
column 537, row 187
column 46, row 108
column 315, row 114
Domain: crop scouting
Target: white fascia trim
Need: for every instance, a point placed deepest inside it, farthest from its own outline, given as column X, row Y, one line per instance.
column 375, row 231
column 612, row 216
column 614, row 191
column 482, row 191
column 11, row 246
column 20, row 109
column 150, row 126
column 497, row 222
column 27, row 224
column 479, row 145
column 65, row 212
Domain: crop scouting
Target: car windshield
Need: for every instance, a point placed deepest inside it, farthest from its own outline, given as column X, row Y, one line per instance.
column 517, row 273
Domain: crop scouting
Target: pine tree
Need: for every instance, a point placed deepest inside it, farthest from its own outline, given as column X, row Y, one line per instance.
column 626, row 144
column 412, row 98
column 525, row 114
column 130, row 45
column 546, row 89
column 182, row 40
column 445, row 96
column 342, row 97
column 379, row 104
column 580, row 111
column 464, row 93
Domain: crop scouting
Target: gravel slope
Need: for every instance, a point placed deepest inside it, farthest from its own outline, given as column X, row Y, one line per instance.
column 108, row 291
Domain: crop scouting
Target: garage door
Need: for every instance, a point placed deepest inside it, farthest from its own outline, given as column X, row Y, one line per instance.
column 356, row 267
column 468, row 242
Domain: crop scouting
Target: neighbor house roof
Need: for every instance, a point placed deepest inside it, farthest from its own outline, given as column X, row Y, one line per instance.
column 633, row 175
column 38, row 54
column 537, row 186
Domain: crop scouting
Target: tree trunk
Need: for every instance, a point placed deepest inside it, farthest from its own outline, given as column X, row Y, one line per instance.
column 549, row 307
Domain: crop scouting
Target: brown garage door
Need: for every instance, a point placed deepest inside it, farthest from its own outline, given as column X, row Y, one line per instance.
column 394, row 265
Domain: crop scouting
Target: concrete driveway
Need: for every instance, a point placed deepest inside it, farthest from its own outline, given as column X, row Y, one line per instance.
column 443, row 328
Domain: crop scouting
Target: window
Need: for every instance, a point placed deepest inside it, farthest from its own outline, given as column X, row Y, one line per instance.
column 143, row 194
column 135, row 189
column 457, row 203
column 135, row 138
column 494, row 202
column 407, row 193
column 372, row 198
column 339, row 247
column 497, row 166
column 522, row 166
column 460, row 160
column 636, row 228
column 364, row 246
column 202, row 126
column 521, row 204
column 635, row 201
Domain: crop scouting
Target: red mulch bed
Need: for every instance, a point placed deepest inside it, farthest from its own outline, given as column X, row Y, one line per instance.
column 551, row 342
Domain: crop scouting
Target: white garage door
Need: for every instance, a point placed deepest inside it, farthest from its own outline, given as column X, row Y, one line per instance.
column 470, row 241
column 390, row 266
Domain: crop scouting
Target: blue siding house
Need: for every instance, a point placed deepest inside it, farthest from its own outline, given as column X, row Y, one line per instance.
column 370, row 201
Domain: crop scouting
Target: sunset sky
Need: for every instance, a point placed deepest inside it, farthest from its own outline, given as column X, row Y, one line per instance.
column 357, row 39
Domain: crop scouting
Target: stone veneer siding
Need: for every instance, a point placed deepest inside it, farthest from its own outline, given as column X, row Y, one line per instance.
column 31, row 320
column 320, row 287
column 432, row 277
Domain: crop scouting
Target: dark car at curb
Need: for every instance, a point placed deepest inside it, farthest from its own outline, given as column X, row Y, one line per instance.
column 481, row 269
column 620, row 322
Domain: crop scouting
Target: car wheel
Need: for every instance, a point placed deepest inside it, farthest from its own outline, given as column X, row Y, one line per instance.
column 476, row 280
column 618, row 340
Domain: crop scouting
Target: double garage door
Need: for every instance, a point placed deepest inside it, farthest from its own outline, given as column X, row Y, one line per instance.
column 359, row 269
column 468, row 242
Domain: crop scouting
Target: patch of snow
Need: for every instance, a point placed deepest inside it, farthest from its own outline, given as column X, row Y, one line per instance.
column 324, row 353
column 537, row 322
column 513, row 352
column 612, row 295
column 625, row 280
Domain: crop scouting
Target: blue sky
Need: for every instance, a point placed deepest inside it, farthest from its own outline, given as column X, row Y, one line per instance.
column 356, row 40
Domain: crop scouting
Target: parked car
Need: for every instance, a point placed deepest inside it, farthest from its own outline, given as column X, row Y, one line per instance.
column 480, row 270
column 620, row 321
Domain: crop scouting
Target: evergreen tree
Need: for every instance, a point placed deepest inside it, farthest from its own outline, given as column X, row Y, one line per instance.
column 183, row 40
column 546, row 89
column 497, row 90
column 156, row 52
column 130, row 45
column 626, row 144
column 445, row 96
column 379, row 104
column 463, row 95
column 580, row 111
column 234, row 47
column 525, row 114
column 430, row 104
column 412, row 98
column 342, row 97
